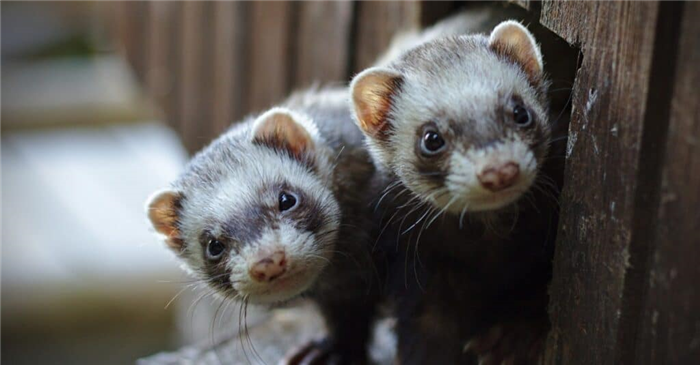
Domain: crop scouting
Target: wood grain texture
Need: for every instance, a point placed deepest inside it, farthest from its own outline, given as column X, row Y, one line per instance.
column 432, row 11
column 230, row 64
column 377, row 23
column 270, row 53
column 671, row 315
column 598, row 199
column 162, row 65
column 322, row 42
column 197, row 76
column 525, row 4
column 131, row 26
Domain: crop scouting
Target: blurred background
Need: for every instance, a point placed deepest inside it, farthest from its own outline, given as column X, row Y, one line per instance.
column 82, row 147
column 102, row 103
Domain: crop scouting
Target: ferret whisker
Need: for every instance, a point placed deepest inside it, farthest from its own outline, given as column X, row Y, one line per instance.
column 250, row 340
column 240, row 329
column 416, row 253
column 557, row 139
column 461, row 215
column 443, row 210
column 193, row 307
column 176, row 295
column 212, row 330
column 337, row 157
column 194, row 281
column 386, row 225
column 417, row 207
column 416, row 222
column 321, row 258
column 434, row 173
column 561, row 113
column 416, row 256
column 386, row 192
column 404, row 190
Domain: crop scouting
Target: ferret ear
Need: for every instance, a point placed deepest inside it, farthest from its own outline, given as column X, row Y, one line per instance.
column 512, row 40
column 282, row 128
column 372, row 91
column 163, row 209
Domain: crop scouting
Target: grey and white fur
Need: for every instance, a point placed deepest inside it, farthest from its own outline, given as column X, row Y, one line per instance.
column 275, row 208
column 459, row 128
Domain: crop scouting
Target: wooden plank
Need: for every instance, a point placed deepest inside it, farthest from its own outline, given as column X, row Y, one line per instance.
column 598, row 199
column 270, row 52
column 671, row 316
column 230, row 63
column 131, row 23
column 376, row 25
column 525, row 4
column 323, row 42
column 197, row 75
column 158, row 69
column 432, row 11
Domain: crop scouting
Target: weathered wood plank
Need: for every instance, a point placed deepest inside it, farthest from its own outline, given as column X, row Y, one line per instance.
column 230, row 64
column 525, row 4
column 433, row 11
column 598, row 199
column 376, row 25
column 573, row 22
column 270, row 53
column 160, row 70
column 131, row 24
column 671, row 318
column 197, row 75
column 323, row 42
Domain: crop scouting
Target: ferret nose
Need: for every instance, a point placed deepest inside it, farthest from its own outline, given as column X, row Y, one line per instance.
column 269, row 268
column 497, row 178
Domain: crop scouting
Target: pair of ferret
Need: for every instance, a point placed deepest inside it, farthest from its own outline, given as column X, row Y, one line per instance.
column 430, row 204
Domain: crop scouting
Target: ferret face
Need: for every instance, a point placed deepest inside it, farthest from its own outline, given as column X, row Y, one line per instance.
column 255, row 219
column 460, row 121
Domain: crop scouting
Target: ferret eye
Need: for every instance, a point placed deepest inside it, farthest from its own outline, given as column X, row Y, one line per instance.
column 287, row 201
column 215, row 248
column 432, row 143
column 521, row 116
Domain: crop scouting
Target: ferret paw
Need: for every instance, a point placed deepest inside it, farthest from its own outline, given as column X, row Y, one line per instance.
column 515, row 343
column 320, row 352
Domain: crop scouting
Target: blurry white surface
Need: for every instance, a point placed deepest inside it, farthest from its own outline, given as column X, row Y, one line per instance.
column 71, row 90
column 73, row 205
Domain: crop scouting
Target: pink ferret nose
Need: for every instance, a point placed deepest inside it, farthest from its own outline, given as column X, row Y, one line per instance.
column 269, row 268
column 497, row 178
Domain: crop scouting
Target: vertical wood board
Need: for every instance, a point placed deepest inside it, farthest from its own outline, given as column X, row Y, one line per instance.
column 269, row 53
column 323, row 42
column 609, row 103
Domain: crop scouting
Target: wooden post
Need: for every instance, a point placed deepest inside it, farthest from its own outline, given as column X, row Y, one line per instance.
column 377, row 23
column 161, row 75
column 322, row 42
column 269, row 53
column 617, row 132
column 197, row 86
column 669, row 328
column 230, row 63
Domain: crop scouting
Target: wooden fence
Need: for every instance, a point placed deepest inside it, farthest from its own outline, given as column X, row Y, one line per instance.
column 626, row 287
column 209, row 63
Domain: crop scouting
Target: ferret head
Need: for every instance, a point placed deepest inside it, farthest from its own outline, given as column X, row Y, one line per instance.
column 253, row 214
column 461, row 121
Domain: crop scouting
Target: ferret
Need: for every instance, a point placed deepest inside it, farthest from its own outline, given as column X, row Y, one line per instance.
column 275, row 209
column 459, row 127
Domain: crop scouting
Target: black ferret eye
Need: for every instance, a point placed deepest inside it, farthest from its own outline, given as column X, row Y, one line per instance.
column 521, row 116
column 215, row 248
column 287, row 201
column 432, row 143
